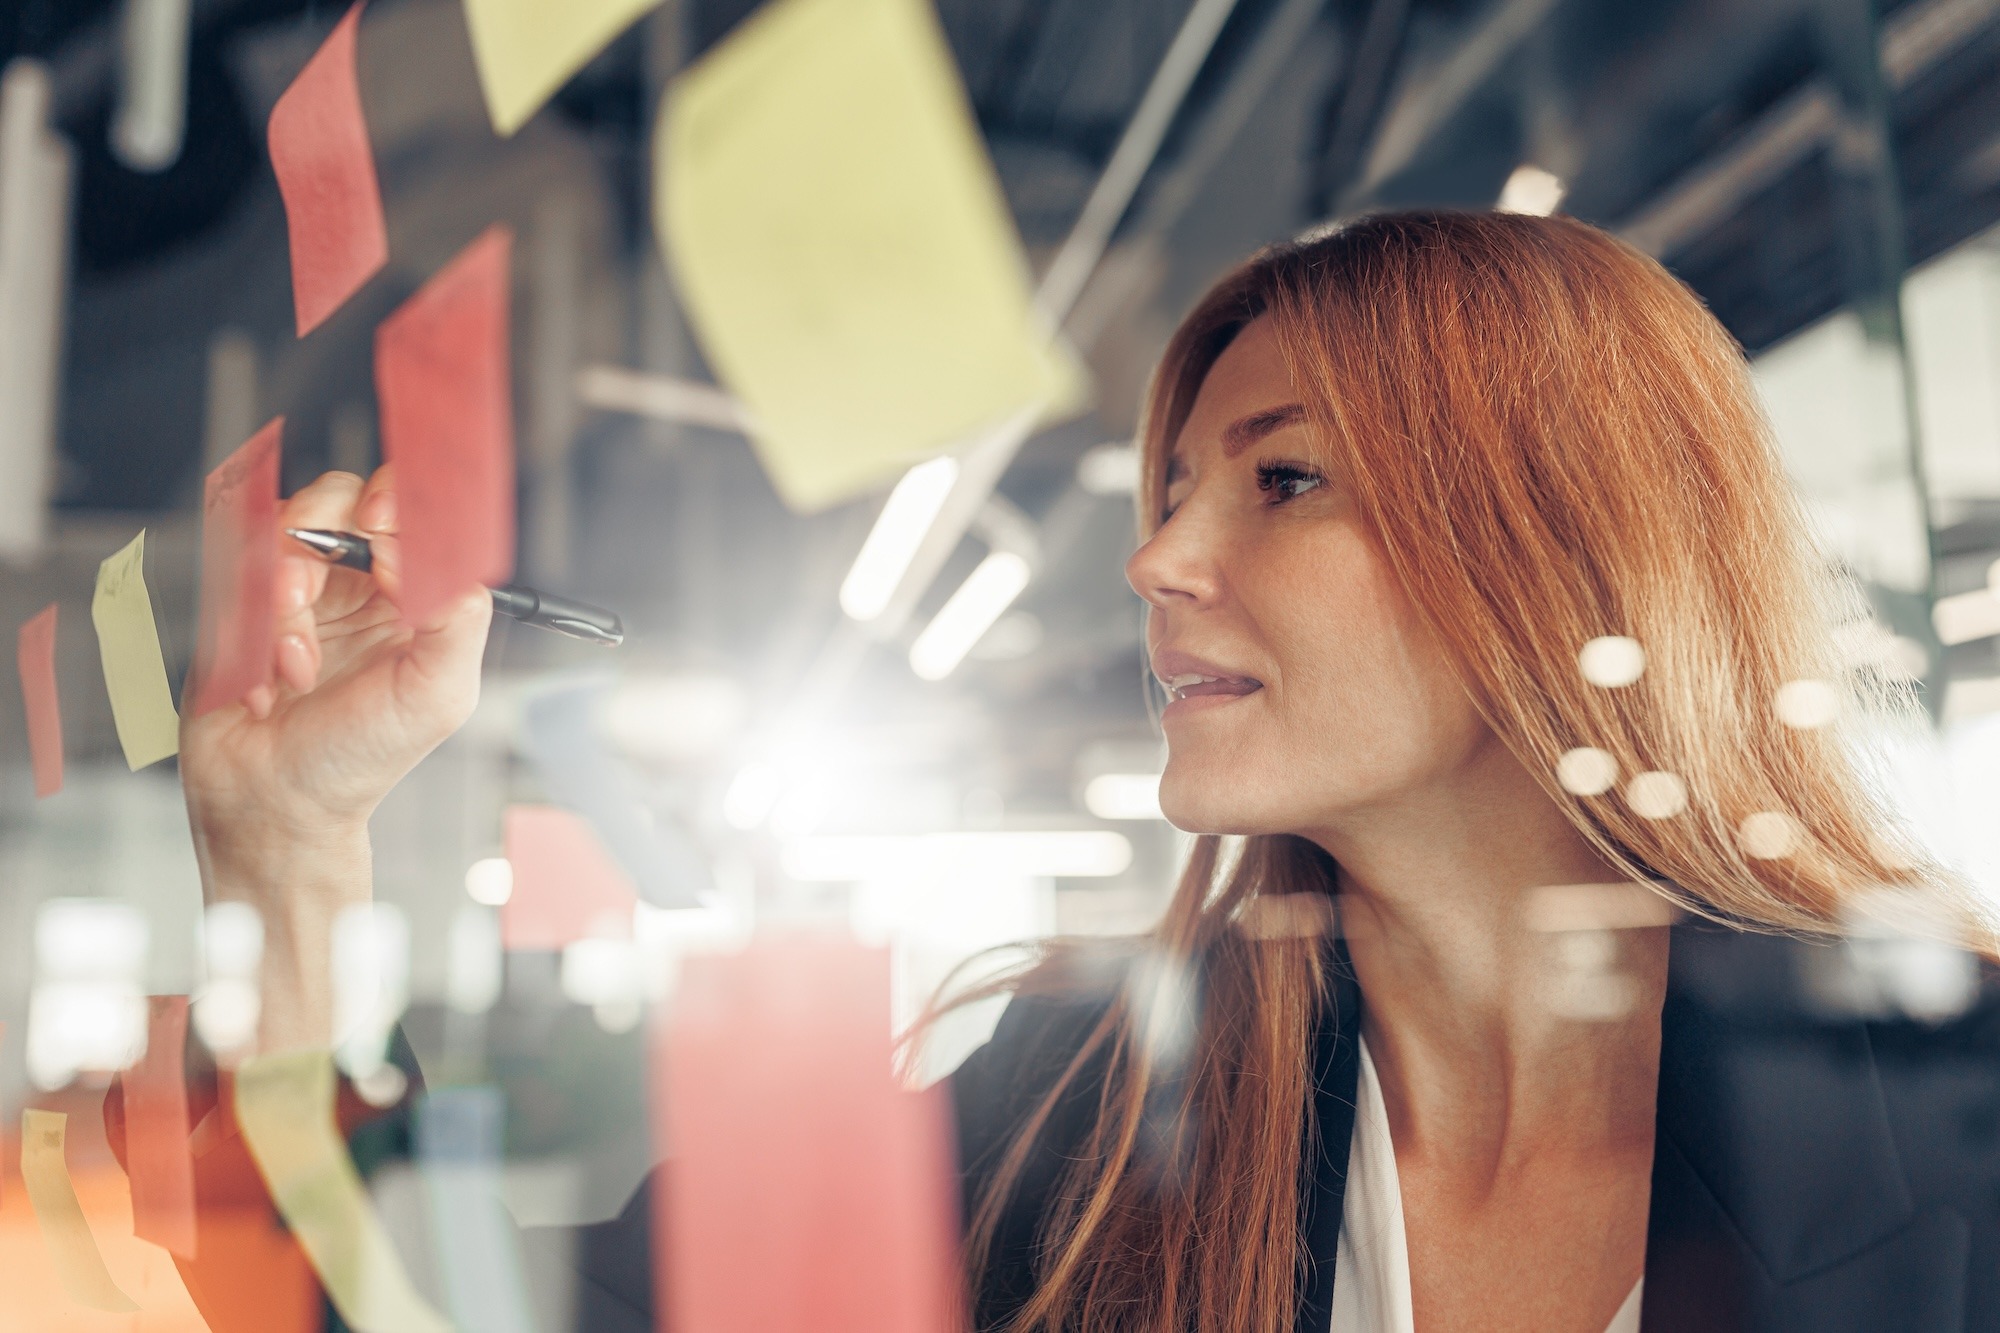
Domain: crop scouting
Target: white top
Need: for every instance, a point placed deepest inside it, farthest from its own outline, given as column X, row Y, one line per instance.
column 1371, row 1275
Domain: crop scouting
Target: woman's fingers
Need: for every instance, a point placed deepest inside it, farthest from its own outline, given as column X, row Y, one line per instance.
column 388, row 553
column 301, row 578
column 444, row 658
column 375, row 511
column 298, row 661
column 329, row 502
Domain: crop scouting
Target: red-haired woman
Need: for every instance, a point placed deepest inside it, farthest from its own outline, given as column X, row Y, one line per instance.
column 1397, row 478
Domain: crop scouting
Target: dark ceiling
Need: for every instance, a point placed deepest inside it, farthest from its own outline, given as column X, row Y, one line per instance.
column 1621, row 97
column 1700, row 128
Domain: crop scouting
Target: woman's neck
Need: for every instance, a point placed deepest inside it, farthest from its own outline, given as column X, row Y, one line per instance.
column 1475, row 1059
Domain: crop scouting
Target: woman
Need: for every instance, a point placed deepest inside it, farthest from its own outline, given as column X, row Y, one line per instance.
column 1396, row 478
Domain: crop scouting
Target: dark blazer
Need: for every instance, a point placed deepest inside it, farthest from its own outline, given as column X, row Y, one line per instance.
column 1811, row 1173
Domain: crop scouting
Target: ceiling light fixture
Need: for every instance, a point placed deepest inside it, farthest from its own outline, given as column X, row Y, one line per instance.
column 1531, row 190
column 908, row 515
column 979, row 601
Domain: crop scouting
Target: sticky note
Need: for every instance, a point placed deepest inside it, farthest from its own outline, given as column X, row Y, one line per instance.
column 250, row 1277
column 807, row 1189
column 566, row 885
column 239, row 560
column 135, row 670
column 526, row 49
column 458, row 1152
column 284, row 1105
column 326, row 173
column 842, row 246
column 443, row 390
column 73, row 1251
column 35, row 653
column 157, row 1157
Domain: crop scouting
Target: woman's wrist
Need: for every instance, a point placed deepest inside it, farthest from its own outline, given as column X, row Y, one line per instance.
column 299, row 876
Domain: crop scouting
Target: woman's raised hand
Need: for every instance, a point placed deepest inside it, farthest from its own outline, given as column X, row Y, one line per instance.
column 359, row 697
column 280, row 785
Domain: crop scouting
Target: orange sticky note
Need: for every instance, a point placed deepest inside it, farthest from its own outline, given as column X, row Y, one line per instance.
column 35, row 651
column 443, row 389
column 251, row 1277
column 807, row 1189
column 326, row 173
column 239, row 557
column 566, row 885
column 156, row 1132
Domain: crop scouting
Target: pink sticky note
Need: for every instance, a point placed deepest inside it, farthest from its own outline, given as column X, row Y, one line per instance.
column 239, row 556
column 36, row 653
column 157, row 1157
column 441, row 383
column 326, row 172
column 806, row 1188
column 566, row 886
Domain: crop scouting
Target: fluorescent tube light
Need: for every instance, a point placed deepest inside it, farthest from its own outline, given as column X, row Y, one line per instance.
column 912, row 507
column 979, row 601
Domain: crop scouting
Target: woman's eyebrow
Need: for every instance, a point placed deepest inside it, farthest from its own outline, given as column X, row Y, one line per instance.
column 1246, row 431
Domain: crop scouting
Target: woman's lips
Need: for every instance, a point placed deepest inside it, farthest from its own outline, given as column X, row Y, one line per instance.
column 1192, row 690
column 1194, row 686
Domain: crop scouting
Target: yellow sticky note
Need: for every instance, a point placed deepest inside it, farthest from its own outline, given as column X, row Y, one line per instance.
column 842, row 246
column 135, row 671
column 526, row 49
column 73, row 1250
column 284, row 1105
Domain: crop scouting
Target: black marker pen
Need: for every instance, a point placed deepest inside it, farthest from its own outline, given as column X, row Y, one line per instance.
column 576, row 619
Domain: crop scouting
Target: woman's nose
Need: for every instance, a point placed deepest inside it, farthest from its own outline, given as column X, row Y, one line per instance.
column 1174, row 565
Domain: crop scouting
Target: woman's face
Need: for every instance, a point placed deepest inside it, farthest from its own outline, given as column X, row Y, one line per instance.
column 1303, row 686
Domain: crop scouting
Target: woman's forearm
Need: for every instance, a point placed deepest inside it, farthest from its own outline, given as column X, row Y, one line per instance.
column 299, row 881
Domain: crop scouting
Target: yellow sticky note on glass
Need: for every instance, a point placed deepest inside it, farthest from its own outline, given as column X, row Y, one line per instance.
column 73, row 1251
column 284, row 1106
column 135, row 671
column 842, row 246
column 526, row 49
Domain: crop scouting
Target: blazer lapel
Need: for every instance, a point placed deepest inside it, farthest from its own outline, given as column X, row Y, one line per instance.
column 1779, row 1200
column 1336, row 1077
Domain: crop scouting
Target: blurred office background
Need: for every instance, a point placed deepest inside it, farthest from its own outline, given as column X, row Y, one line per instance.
column 1824, row 173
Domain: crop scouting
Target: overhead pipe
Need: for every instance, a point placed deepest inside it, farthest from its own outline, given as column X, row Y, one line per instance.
column 150, row 124
column 35, row 179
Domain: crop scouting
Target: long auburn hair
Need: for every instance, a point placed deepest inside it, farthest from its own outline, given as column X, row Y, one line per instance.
column 1551, row 440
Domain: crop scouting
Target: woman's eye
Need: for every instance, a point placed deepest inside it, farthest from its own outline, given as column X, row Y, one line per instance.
column 1286, row 481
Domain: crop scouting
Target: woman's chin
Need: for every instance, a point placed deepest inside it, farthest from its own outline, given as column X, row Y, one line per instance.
column 1196, row 808
column 1204, row 805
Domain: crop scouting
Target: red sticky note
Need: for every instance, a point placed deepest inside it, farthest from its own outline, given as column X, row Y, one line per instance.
column 157, row 1157
column 566, row 885
column 806, row 1189
column 326, row 173
column 442, row 386
column 36, row 652
column 239, row 557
